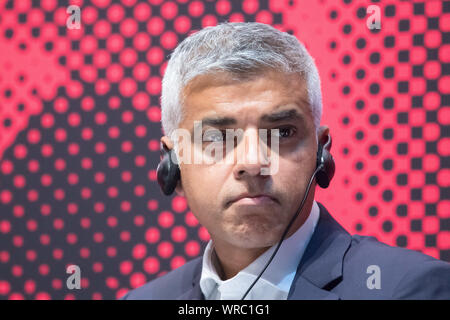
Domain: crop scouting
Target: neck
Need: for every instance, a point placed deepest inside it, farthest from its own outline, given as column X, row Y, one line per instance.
column 234, row 260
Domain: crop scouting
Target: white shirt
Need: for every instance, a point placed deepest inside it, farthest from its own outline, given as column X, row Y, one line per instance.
column 276, row 280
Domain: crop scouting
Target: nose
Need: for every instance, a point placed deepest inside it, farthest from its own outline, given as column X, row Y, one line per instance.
column 251, row 155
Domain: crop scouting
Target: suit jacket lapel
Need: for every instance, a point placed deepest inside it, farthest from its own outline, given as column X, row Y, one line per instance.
column 194, row 291
column 320, row 268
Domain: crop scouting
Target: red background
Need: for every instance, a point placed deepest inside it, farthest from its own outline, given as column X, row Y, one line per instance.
column 80, row 129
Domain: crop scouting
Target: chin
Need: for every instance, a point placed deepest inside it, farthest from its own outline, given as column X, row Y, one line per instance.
column 253, row 235
column 255, row 243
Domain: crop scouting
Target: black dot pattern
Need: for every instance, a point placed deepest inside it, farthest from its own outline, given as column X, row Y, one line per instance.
column 80, row 129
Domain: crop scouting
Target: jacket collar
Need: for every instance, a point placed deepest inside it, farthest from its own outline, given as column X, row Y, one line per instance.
column 194, row 292
column 319, row 270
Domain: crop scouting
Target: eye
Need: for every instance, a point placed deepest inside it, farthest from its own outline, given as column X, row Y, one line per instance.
column 286, row 132
column 213, row 135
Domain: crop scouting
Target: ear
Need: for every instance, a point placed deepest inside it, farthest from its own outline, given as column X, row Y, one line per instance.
column 322, row 136
column 179, row 189
column 166, row 143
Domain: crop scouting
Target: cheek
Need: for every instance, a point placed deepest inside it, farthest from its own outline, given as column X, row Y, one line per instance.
column 294, row 175
column 203, row 192
column 305, row 159
column 202, row 186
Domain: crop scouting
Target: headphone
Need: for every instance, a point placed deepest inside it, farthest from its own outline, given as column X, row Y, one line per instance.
column 168, row 172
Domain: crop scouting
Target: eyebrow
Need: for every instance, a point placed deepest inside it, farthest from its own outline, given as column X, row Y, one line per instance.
column 282, row 116
column 279, row 116
column 218, row 121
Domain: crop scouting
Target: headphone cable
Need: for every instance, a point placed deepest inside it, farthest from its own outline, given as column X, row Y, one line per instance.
column 285, row 231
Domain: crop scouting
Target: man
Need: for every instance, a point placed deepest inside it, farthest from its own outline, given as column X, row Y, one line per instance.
column 250, row 76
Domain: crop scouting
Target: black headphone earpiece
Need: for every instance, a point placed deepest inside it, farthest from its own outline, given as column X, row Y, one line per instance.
column 168, row 172
column 326, row 161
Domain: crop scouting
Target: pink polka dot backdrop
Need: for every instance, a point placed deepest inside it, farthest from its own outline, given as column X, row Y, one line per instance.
column 80, row 129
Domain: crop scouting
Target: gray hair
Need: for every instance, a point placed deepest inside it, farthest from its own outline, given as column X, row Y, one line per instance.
column 243, row 49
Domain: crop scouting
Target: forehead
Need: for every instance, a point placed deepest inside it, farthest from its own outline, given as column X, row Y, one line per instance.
column 219, row 93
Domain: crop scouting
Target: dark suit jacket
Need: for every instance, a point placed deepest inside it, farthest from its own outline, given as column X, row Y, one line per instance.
column 334, row 266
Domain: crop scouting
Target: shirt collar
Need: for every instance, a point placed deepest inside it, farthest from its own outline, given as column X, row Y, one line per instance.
column 281, row 271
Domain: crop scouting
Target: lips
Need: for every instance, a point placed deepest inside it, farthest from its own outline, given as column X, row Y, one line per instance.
column 253, row 199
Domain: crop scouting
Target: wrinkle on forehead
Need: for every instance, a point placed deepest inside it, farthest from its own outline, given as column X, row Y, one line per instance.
column 216, row 79
column 292, row 84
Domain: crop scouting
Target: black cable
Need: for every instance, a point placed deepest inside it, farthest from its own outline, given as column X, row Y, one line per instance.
column 285, row 231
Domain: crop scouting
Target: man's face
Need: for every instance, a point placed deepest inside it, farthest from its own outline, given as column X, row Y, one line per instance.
column 211, row 188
